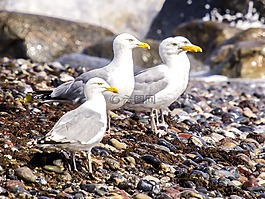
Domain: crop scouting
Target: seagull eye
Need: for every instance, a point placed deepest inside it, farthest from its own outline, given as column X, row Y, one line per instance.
column 130, row 40
column 100, row 83
column 174, row 44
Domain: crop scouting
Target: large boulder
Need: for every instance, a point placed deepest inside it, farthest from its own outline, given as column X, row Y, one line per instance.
column 241, row 56
column 44, row 39
column 173, row 13
column 119, row 16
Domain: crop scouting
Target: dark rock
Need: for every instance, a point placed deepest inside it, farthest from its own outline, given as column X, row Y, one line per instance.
column 260, row 138
column 43, row 38
column 144, row 185
column 92, row 188
column 163, row 196
column 228, row 117
column 79, row 196
column 150, row 159
column 217, row 111
column 174, row 13
column 167, row 144
column 100, row 151
column 3, row 191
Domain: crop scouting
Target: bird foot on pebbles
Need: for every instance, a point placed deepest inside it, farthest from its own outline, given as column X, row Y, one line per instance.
column 161, row 133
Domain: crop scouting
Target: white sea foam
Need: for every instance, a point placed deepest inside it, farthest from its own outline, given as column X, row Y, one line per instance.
column 244, row 21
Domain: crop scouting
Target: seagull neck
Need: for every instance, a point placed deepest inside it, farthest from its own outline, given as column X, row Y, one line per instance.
column 122, row 57
column 173, row 60
column 93, row 101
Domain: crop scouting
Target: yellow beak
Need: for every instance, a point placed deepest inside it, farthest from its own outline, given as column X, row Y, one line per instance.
column 193, row 48
column 112, row 89
column 143, row 45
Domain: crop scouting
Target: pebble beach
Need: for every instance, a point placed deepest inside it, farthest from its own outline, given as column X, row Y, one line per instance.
column 213, row 147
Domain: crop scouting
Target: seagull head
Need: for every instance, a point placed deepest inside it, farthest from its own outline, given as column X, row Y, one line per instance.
column 97, row 85
column 177, row 45
column 127, row 41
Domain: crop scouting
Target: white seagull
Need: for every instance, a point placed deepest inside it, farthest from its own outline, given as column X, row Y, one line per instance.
column 119, row 73
column 157, row 87
column 85, row 126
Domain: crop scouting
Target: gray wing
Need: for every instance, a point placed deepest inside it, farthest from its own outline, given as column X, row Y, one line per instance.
column 79, row 125
column 148, row 83
column 74, row 90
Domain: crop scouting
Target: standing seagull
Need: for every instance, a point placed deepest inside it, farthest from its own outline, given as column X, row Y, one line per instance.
column 83, row 127
column 157, row 87
column 119, row 73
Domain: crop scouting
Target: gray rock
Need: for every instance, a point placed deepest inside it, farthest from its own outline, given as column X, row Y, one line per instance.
column 26, row 174
column 118, row 16
column 43, row 38
column 173, row 13
column 240, row 56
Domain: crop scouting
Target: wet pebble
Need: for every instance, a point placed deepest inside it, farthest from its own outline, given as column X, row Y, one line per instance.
column 26, row 174
column 90, row 187
column 217, row 111
column 150, row 159
column 117, row 144
column 54, row 168
column 214, row 141
column 228, row 118
column 142, row 196
column 167, row 144
column 112, row 164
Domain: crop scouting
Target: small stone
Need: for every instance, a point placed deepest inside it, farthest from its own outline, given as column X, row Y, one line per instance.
column 64, row 195
column 3, row 191
column 130, row 159
column 167, row 144
column 163, row 196
column 56, row 169
column 144, row 185
column 251, row 182
column 117, row 144
column 91, row 188
column 150, row 159
column 112, row 164
column 149, row 178
column 14, row 183
column 248, row 113
column 26, row 174
column 217, row 111
column 79, row 196
column 228, row 118
column 142, row 196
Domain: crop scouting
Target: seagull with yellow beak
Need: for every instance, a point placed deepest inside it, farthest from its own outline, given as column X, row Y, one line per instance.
column 157, row 87
column 84, row 127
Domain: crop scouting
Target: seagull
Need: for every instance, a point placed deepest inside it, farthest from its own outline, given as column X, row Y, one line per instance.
column 83, row 127
column 157, row 87
column 118, row 73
